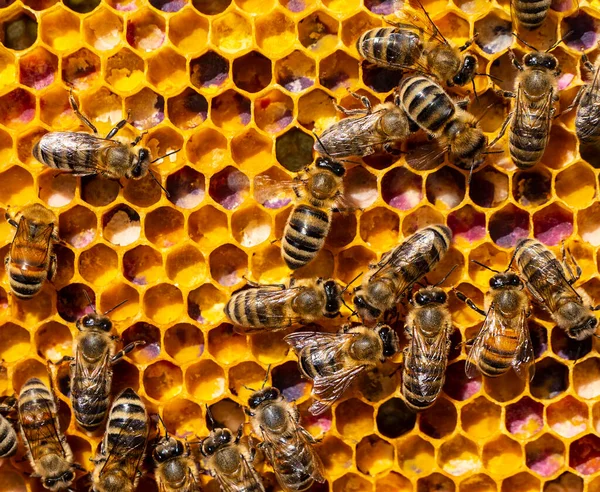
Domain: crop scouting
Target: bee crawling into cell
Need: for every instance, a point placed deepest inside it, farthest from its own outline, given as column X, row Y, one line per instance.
column 504, row 340
column 334, row 360
column 85, row 154
column 30, row 260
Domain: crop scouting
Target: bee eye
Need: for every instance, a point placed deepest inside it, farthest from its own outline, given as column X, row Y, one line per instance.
column 421, row 298
column 50, row 482
column 516, row 281
column 68, row 476
column 495, row 282
column 441, row 297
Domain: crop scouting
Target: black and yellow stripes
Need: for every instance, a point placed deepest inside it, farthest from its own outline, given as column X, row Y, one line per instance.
column 304, row 235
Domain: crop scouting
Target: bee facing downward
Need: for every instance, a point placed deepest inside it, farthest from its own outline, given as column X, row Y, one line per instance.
column 334, row 360
column 503, row 341
column 84, row 154
column 30, row 260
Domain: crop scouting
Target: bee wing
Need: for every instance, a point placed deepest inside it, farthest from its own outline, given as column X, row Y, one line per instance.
column 331, row 343
column 527, row 127
column 588, row 111
column 267, row 188
column 421, row 21
column 554, row 280
column 426, row 156
column 47, row 433
column 278, row 296
column 492, row 327
column 37, row 238
column 90, row 382
column 73, row 145
column 523, row 363
column 127, row 452
column 244, row 479
column 330, row 388
column 435, row 353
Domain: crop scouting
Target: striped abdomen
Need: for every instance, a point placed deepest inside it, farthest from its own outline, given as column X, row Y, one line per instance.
column 252, row 308
column 25, row 279
column 587, row 121
column 304, row 235
column 390, row 47
column 294, row 463
column 313, row 363
column 531, row 13
column 498, row 353
column 90, row 407
column 418, row 395
column 8, row 438
column 426, row 103
column 529, row 137
column 36, row 399
column 68, row 151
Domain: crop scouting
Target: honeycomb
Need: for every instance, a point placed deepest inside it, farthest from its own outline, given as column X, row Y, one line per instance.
column 239, row 85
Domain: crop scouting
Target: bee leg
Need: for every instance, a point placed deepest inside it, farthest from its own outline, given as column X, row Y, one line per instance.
column 567, row 264
column 66, row 358
column 309, row 437
column 240, row 433
column 10, row 220
column 502, row 130
column 117, row 127
column 52, row 268
column 351, row 112
column 78, row 113
column 463, row 103
column 138, row 139
column 469, row 302
column 469, row 42
column 125, row 350
column 575, row 102
column 515, row 62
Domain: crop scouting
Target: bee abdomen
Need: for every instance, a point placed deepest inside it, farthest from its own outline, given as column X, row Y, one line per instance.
column 531, row 13
column 304, row 235
column 89, row 411
column 297, row 478
column 391, row 47
column 412, row 390
column 8, row 439
column 34, row 394
column 426, row 103
column 128, row 421
column 527, row 152
column 243, row 309
column 25, row 286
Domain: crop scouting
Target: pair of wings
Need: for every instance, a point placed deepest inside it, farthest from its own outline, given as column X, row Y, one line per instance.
column 31, row 243
column 494, row 327
column 190, row 485
column 91, row 380
column 524, row 125
column 245, row 480
column 588, row 113
column 332, row 346
column 123, row 455
column 82, row 151
column 48, row 434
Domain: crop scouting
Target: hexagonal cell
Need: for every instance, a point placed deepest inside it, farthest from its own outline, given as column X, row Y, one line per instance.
column 145, row 31
column 78, row 226
column 27, row 369
column 121, row 226
column 81, row 69
column 587, row 222
column 164, row 227
column 166, row 70
column 183, row 418
column 374, row 455
column 184, row 342
column 393, row 482
column 187, row 110
column 232, row 33
column 125, row 70
column 244, row 376
column 562, row 148
column 467, row 224
column 481, row 418
column 250, row 226
column 553, row 224
column 142, row 265
column 163, row 303
column 19, row 31
column 338, row 71
column 570, row 482
column 57, row 191
column 459, row 456
column 576, row 196
column 502, row 456
column 584, row 455
column 251, row 150
column 273, row 112
column 60, row 29
column 489, row 187
column 343, row 230
column 116, row 295
column 102, row 107
column 316, row 109
column 580, row 31
column 186, row 266
column 229, row 188
column 360, row 187
column 267, row 266
column 568, row 348
column 188, row 31
column 210, row 70
column 65, row 268
column 522, row 482
column 17, row 108
column 205, row 304
column 494, row 32
column 586, row 378
column 99, row 265
column 186, row 188
column 524, row 418
column 230, row 111
column 287, row 379
column 545, row 455
column 252, row 72
column 457, row 386
column 143, row 192
column 11, row 479
column 532, row 188
column 402, row 189
column 37, row 69
column 318, row 32
column 205, row 380
column 379, row 228
column 103, row 30
column 550, row 380
column 228, row 265
column 354, row 419
column 478, row 483
column 8, row 68
column 445, row 189
column 439, row 420
column 17, row 342
column 294, row 149
column 296, row 72
column 421, row 217
column 435, row 481
column 211, row 7
column 163, row 380
column 275, row 32
column 352, row 481
column 147, row 109
column 508, row 225
column 72, row 302
column 269, row 348
column 207, row 227
column 226, row 345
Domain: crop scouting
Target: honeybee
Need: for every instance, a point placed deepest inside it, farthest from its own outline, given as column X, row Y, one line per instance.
column 229, row 461
column 277, row 307
column 287, row 445
column 503, row 341
column 547, row 282
column 30, row 260
column 531, row 117
column 404, row 46
column 84, row 154
column 457, row 130
column 369, row 131
column 175, row 469
column 91, row 368
column 386, row 281
column 116, row 465
column 530, row 14
column 8, row 436
column 428, row 327
column 48, row 451
column 334, row 360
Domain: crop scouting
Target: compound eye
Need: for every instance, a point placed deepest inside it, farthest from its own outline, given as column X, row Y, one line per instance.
column 516, row 281
column 441, row 297
column 495, row 282
column 421, row 298
column 68, row 476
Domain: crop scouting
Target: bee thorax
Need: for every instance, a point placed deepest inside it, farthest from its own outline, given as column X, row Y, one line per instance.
column 364, row 348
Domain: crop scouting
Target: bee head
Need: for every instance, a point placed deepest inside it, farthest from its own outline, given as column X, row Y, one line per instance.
column 141, row 163
column 259, row 397
column 576, row 319
column 59, row 482
column 332, row 299
column 508, row 279
column 365, row 310
column 389, row 339
column 467, row 71
column 330, row 165
column 584, row 330
column 217, row 439
column 538, row 59
column 94, row 321
column 167, row 448
column 430, row 295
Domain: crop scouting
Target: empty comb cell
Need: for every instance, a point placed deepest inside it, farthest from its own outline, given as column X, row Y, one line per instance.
column 480, row 419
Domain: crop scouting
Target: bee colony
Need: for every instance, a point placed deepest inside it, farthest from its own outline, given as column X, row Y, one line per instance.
column 240, row 147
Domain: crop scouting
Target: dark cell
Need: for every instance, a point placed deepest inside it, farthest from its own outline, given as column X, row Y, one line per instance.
column 567, row 481
column 579, row 31
column 147, row 333
column 287, row 379
column 20, row 32
column 552, row 224
column 468, row 223
column 252, row 72
column 525, row 417
column 551, row 379
column 504, row 388
column 439, row 420
column 457, row 385
column 380, row 79
column 186, row 188
column 209, row 70
column 508, row 226
column 229, row 187
column 532, row 187
column 381, row 7
column 187, row 110
column 489, row 187
column 211, row 7
column 568, row 348
column 435, row 481
column 293, row 149
column 315, row 27
column 72, row 302
column 38, row 69
column 82, row 6
column 394, row 418
column 168, row 5
column 539, row 338
column 584, row 455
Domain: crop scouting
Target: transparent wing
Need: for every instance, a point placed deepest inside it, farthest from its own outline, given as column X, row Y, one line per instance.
column 330, row 344
column 426, row 156
column 329, row 389
column 416, row 18
column 588, row 112
column 90, row 380
column 492, row 327
column 244, row 479
column 523, row 363
column 127, row 452
column 528, row 123
column 36, row 239
column 267, row 188
column 46, row 433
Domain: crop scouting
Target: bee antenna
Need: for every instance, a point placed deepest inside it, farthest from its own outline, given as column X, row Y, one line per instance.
column 351, row 282
column 474, row 90
column 163, row 424
column 493, row 77
column 211, row 419
column 159, row 184
column 485, row 266
column 349, row 308
column 249, row 388
column 470, row 173
column 87, row 296
column 266, row 377
column 166, row 155
column 493, row 152
column 321, row 144
column 484, row 112
column 446, row 276
column 435, row 29
column 115, row 307
column 524, row 42
column 512, row 258
column 559, row 41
